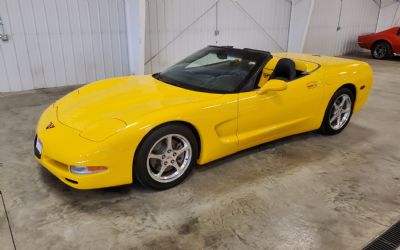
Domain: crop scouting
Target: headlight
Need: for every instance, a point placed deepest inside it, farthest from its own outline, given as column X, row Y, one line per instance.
column 87, row 169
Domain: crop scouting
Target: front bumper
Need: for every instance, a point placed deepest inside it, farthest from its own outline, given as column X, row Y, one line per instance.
column 63, row 147
column 62, row 172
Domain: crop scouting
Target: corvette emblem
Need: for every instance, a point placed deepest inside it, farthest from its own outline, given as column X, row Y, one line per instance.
column 51, row 125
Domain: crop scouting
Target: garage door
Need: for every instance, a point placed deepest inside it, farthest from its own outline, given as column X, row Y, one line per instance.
column 61, row 42
column 181, row 27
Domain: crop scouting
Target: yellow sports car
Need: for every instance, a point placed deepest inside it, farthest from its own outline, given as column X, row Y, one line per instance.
column 218, row 101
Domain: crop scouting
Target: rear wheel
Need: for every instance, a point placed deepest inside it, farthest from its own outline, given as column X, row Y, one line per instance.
column 338, row 112
column 381, row 50
column 166, row 157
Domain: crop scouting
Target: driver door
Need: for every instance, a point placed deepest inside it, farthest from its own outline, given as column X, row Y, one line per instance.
column 276, row 114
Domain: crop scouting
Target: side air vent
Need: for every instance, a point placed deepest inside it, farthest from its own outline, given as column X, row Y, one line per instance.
column 72, row 181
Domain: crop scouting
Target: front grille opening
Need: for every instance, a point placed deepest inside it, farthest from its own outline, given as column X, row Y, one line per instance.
column 57, row 164
column 72, row 181
column 389, row 240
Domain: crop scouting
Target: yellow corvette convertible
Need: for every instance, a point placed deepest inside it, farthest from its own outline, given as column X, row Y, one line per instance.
column 218, row 101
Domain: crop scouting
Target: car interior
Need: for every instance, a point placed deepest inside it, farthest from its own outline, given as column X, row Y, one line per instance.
column 284, row 69
column 219, row 71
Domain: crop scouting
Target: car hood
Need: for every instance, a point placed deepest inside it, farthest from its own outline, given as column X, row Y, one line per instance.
column 119, row 101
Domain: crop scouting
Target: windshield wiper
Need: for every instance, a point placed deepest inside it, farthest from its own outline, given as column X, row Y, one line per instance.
column 160, row 78
column 157, row 76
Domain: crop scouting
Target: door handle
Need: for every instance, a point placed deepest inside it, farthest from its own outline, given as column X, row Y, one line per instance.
column 312, row 85
column 3, row 35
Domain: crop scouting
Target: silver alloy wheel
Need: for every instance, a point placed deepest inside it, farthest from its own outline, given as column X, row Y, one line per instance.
column 380, row 51
column 340, row 112
column 169, row 158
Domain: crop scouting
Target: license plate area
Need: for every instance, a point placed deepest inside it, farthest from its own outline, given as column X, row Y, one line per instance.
column 38, row 147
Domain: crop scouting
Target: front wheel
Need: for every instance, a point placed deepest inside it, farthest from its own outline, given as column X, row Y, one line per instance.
column 338, row 112
column 166, row 157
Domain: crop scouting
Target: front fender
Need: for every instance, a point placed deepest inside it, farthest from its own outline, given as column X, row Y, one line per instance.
column 214, row 120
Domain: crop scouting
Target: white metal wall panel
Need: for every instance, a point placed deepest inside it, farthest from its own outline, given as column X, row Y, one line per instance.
column 254, row 24
column 8, row 54
column 396, row 21
column 299, row 21
column 357, row 17
column 389, row 15
column 176, row 28
column 61, row 42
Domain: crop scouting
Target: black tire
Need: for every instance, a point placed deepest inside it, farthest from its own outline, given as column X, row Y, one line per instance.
column 140, row 167
column 381, row 50
column 326, row 127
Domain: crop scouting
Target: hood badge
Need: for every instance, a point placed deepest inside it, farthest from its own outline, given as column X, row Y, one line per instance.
column 51, row 125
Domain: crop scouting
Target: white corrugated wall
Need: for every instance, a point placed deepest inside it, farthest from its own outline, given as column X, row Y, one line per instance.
column 299, row 22
column 336, row 24
column 389, row 15
column 64, row 42
column 254, row 24
column 176, row 28
column 61, row 42
column 396, row 19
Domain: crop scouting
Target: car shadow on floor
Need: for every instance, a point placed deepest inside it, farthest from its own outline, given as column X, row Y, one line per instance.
column 112, row 194
column 259, row 148
column 59, row 186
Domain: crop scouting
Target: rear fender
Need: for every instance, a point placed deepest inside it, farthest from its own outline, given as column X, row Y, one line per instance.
column 359, row 74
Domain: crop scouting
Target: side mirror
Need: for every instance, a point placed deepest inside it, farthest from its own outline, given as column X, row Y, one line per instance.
column 272, row 85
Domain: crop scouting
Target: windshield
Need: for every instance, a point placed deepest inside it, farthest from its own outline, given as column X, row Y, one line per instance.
column 215, row 69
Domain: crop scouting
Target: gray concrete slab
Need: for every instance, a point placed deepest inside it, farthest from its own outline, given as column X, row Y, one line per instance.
column 5, row 234
column 304, row 192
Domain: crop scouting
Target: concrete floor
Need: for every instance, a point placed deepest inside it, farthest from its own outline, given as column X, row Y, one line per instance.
column 304, row 192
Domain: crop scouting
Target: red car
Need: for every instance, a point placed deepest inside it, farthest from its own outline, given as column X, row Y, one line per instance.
column 382, row 44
